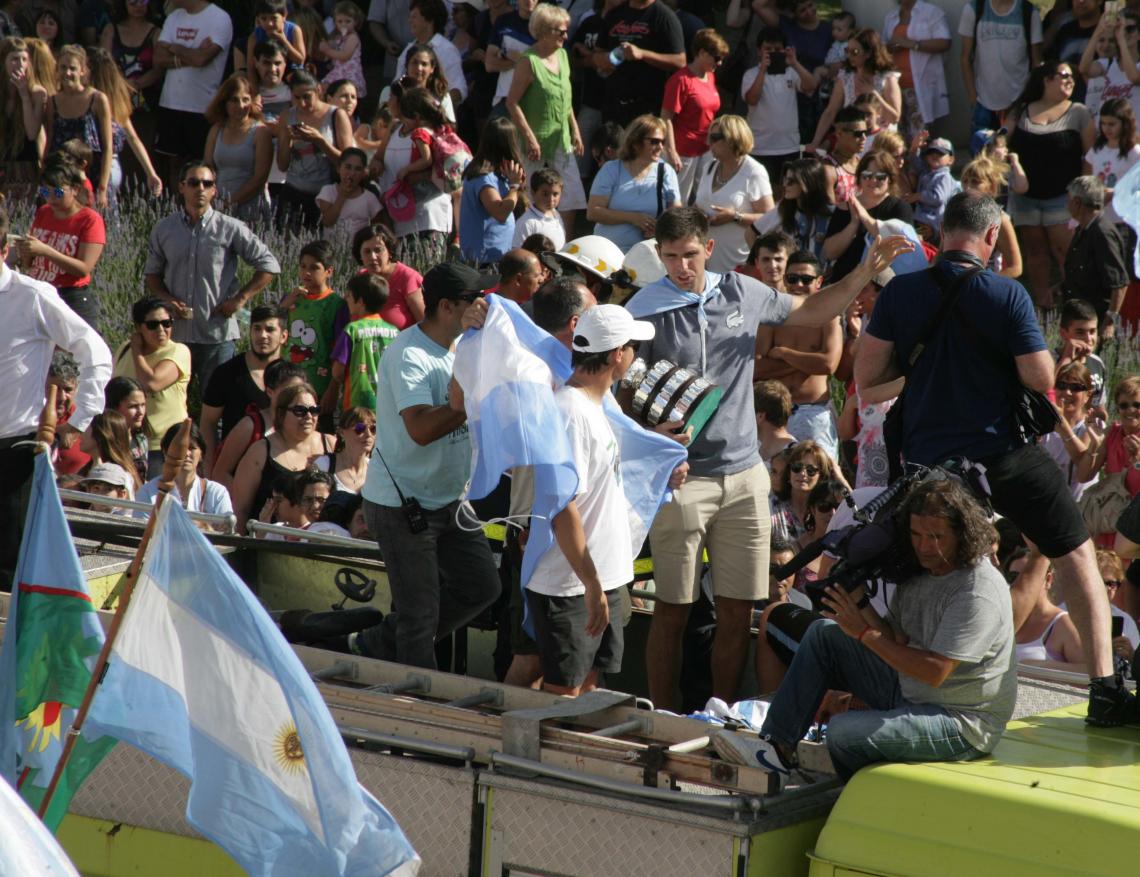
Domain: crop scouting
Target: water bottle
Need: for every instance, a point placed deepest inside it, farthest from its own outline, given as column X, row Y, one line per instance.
column 617, row 55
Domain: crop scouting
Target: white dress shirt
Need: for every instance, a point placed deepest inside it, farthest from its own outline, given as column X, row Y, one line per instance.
column 34, row 321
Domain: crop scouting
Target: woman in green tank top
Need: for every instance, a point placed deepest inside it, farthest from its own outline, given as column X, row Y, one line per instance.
column 540, row 105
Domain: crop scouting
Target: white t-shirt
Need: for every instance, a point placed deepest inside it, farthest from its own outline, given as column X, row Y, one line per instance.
column 354, row 214
column 1001, row 56
column 775, row 120
column 1114, row 83
column 748, row 184
column 1108, row 167
column 433, row 207
column 1054, row 446
column 535, row 222
column 191, row 89
column 600, row 500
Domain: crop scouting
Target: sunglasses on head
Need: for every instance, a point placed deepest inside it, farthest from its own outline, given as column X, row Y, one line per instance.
column 1069, row 387
column 800, row 468
column 155, row 325
column 300, row 411
column 1128, row 406
column 803, row 279
column 47, row 191
column 361, row 428
column 877, row 176
column 195, row 183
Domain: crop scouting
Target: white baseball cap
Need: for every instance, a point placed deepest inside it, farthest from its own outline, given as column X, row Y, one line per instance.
column 608, row 327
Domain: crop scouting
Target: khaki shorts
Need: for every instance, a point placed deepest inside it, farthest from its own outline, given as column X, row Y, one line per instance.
column 729, row 515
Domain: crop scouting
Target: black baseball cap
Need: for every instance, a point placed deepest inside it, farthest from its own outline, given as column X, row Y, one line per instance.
column 455, row 280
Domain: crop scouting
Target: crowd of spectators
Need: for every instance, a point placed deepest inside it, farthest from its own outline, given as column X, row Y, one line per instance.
column 747, row 171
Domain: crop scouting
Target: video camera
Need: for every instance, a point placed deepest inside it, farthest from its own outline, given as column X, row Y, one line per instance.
column 874, row 549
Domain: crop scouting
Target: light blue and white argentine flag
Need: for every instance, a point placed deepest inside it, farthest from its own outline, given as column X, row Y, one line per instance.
column 26, row 846
column 508, row 371
column 202, row 680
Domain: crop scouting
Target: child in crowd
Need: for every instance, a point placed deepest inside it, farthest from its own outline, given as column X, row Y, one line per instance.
column 994, row 145
column 773, row 403
column 316, row 316
column 346, row 206
column 356, row 356
column 869, row 104
column 1113, row 152
column 606, row 142
column 985, row 176
column 343, row 46
column 373, row 137
column 770, row 90
column 1109, row 63
column 935, row 187
column 541, row 216
column 272, row 95
column 575, row 593
column 1078, row 331
column 272, row 23
column 842, row 29
column 296, row 501
column 80, row 155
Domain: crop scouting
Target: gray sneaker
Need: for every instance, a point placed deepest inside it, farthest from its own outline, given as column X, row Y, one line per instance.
column 752, row 751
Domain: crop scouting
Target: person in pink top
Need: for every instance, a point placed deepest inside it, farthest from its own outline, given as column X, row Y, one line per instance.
column 372, row 247
column 690, row 103
column 1120, row 449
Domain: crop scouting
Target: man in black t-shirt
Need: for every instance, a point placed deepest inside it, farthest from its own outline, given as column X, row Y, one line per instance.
column 237, row 383
column 652, row 45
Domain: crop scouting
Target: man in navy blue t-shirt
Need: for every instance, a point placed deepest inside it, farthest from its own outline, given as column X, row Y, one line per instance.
column 959, row 397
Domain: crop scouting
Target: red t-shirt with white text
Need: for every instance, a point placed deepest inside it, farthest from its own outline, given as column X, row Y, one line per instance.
column 65, row 235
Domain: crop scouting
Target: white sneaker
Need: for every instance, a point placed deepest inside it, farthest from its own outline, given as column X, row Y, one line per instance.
column 752, row 751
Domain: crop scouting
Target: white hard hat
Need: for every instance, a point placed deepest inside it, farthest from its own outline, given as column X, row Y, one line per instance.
column 595, row 253
column 642, row 264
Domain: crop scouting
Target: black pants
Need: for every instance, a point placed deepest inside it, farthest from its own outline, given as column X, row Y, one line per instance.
column 84, row 303
column 16, row 466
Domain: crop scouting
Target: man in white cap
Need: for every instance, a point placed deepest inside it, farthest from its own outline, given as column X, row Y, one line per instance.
column 574, row 592
column 110, row 480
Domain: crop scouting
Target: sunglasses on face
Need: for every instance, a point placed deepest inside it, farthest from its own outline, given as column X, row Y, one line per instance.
column 855, row 132
column 47, row 191
column 195, row 183
column 300, row 411
column 801, row 279
column 800, row 468
column 715, row 137
column 361, row 428
column 827, row 507
column 655, row 141
column 1128, row 406
column 1065, row 76
column 877, row 176
column 155, row 325
column 1065, row 386
column 1112, row 583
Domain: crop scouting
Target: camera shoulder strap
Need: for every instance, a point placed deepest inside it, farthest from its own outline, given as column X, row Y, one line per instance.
column 948, row 293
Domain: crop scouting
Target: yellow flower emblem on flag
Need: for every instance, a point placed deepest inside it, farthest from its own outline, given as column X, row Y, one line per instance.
column 287, row 749
column 44, row 723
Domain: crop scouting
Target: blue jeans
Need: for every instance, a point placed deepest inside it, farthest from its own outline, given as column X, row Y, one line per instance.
column 984, row 118
column 892, row 730
column 205, row 357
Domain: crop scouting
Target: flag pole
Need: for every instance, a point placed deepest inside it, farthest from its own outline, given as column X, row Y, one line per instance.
column 175, row 454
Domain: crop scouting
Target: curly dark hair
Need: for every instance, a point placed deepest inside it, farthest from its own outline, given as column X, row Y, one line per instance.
column 951, row 501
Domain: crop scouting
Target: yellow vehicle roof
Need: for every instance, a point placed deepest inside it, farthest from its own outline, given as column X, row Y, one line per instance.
column 1055, row 798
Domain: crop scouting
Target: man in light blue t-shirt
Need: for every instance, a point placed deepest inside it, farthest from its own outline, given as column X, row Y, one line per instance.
column 441, row 575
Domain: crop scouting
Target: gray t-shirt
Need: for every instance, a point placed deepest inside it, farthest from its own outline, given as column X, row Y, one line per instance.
column 728, row 442
column 965, row 615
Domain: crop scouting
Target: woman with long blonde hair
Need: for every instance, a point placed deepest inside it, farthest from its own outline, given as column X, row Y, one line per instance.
column 107, row 78
column 108, row 440
column 21, row 123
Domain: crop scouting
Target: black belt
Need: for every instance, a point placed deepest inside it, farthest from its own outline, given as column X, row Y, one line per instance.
column 7, row 443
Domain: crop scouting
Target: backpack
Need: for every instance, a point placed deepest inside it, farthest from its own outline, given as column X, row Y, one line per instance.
column 450, row 157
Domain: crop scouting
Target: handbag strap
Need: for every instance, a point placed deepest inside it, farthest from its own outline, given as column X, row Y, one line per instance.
column 660, row 187
column 949, row 294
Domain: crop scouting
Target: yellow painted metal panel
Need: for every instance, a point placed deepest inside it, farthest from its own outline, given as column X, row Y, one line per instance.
column 784, row 852
column 109, row 849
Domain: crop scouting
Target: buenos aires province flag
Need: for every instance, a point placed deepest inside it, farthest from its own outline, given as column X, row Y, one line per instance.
column 51, row 642
column 202, row 680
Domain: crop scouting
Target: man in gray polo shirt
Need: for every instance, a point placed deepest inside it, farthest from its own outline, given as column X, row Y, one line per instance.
column 192, row 263
column 707, row 323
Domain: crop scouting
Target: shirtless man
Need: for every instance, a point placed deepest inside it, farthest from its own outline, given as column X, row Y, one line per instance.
column 801, row 358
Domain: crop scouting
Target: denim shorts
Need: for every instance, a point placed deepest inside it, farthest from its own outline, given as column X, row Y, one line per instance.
column 1024, row 210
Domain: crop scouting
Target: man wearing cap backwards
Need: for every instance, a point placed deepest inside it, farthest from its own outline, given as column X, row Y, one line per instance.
column 441, row 574
column 575, row 591
column 708, row 323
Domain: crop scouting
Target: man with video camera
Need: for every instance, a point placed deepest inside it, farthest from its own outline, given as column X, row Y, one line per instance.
column 938, row 673
column 969, row 345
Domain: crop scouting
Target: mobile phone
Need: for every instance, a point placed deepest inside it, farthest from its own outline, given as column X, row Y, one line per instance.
column 1117, row 626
